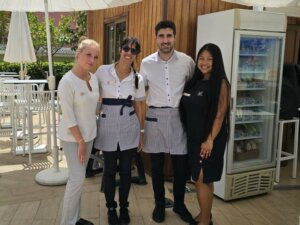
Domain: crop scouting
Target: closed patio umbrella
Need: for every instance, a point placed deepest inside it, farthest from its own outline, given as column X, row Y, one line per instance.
column 264, row 3
column 56, row 175
column 289, row 7
column 19, row 46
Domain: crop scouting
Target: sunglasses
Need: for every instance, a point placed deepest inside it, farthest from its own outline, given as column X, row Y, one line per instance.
column 133, row 50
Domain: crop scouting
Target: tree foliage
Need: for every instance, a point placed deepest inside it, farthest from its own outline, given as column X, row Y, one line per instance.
column 66, row 34
column 74, row 26
column 4, row 25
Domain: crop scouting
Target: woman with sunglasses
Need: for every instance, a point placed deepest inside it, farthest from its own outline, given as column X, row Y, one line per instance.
column 120, row 125
column 78, row 91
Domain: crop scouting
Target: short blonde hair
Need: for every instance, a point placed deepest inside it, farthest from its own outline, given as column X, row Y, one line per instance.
column 84, row 42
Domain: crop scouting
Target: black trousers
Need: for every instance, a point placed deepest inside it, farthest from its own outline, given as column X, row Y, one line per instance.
column 140, row 165
column 110, row 168
column 180, row 171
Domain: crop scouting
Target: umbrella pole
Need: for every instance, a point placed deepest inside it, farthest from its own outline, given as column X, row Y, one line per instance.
column 21, row 73
column 54, row 175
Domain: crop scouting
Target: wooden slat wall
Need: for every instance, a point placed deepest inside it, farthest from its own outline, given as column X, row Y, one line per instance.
column 143, row 16
column 293, row 21
column 185, row 12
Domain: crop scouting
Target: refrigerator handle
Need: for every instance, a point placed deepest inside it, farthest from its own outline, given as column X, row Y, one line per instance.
column 231, row 103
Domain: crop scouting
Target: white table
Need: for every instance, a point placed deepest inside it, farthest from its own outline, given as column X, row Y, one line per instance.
column 28, row 90
column 9, row 73
column 11, row 76
column 25, row 81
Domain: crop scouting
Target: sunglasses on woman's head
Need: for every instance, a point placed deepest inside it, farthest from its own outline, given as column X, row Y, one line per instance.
column 127, row 49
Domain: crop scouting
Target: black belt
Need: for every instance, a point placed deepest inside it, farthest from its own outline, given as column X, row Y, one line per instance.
column 118, row 101
column 160, row 107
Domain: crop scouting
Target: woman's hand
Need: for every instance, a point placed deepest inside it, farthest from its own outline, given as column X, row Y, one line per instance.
column 141, row 143
column 81, row 152
column 206, row 148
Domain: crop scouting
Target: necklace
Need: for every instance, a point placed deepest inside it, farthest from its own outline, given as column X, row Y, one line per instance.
column 121, row 73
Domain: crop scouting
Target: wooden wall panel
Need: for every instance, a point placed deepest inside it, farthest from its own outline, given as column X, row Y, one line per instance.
column 221, row 6
column 178, row 21
column 207, row 6
column 143, row 16
column 95, row 21
column 185, row 12
column 170, row 8
column 215, row 6
column 293, row 21
column 193, row 27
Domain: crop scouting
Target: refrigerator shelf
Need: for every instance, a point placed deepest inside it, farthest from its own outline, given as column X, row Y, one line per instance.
column 253, row 54
column 247, row 138
column 242, row 156
column 251, row 72
column 249, row 105
column 241, row 88
column 251, row 121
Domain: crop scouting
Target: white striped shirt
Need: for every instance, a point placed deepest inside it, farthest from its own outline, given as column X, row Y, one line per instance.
column 166, row 79
column 112, row 87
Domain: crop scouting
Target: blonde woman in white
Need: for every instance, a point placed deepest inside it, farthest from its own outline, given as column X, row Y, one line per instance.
column 78, row 92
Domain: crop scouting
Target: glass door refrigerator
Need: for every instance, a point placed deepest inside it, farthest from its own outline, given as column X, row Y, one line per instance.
column 252, row 44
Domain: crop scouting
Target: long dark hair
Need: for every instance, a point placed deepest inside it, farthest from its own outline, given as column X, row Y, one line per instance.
column 217, row 76
column 133, row 41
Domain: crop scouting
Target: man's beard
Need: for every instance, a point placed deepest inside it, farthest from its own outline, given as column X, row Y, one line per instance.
column 166, row 48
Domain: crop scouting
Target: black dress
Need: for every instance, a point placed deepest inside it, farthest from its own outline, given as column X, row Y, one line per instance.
column 194, row 105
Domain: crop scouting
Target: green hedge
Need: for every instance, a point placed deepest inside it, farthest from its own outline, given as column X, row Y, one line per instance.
column 37, row 70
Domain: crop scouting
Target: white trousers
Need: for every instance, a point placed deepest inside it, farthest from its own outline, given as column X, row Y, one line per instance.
column 71, row 207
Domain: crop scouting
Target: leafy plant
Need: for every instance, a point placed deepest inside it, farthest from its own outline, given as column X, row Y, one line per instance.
column 4, row 25
column 66, row 34
column 36, row 70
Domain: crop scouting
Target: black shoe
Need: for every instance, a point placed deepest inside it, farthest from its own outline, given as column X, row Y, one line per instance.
column 93, row 173
column 139, row 181
column 158, row 214
column 83, row 222
column 113, row 217
column 142, row 182
column 183, row 212
column 194, row 222
column 124, row 216
column 197, row 221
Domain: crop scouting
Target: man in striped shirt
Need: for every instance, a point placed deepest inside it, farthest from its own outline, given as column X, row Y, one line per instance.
column 165, row 73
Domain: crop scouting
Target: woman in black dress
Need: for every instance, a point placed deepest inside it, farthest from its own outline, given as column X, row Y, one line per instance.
column 205, row 116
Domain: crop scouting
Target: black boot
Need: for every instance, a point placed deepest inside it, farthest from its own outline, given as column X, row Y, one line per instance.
column 183, row 212
column 112, row 217
column 124, row 216
column 158, row 214
column 83, row 222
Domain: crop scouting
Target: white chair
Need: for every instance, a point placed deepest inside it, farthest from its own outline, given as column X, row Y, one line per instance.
column 38, row 104
column 8, row 122
column 29, row 104
column 282, row 154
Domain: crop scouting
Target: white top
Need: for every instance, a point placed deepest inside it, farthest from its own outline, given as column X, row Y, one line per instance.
column 78, row 106
column 166, row 79
column 112, row 87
